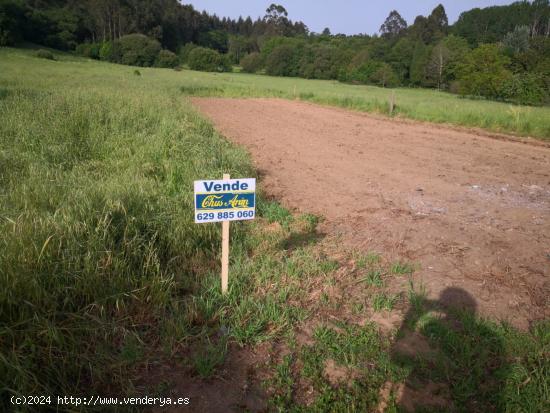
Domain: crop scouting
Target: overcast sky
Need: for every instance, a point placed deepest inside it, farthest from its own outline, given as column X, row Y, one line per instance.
column 344, row 16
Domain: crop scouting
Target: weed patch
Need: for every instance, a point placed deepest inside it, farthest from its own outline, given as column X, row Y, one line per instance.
column 200, row 90
column 274, row 212
column 400, row 268
column 210, row 356
column 382, row 301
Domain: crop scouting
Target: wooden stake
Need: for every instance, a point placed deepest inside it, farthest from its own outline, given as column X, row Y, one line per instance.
column 392, row 102
column 225, row 251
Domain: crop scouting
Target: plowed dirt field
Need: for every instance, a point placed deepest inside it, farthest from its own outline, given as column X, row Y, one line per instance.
column 471, row 210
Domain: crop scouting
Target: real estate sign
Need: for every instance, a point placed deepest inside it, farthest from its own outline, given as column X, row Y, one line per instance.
column 225, row 200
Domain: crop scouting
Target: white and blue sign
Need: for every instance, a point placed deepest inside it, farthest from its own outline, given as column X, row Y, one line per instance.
column 225, row 200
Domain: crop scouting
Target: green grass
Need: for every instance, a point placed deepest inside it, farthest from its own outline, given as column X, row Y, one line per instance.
column 401, row 268
column 374, row 278
column 383, row 301
column 274, row 212
column 364, row 260
column 420, row 104
column 486, row 366
column 104, row 272
column 361, row 357
column 210, row 357
column 98, row 244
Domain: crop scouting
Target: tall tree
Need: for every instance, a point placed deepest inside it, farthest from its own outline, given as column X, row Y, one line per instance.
column 393, row 26
column 437, row 64
column 518, row 40
column 421, row 55
column 400, row 58
column 439, row 18
column 276, row 17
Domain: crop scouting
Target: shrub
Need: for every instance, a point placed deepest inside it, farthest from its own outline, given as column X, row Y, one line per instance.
column 90, row 50
column 373, row 72
column 484, row 71
column 225, row 63
column 208, row 60
column 45, row 54
column 283, row 61
column 106, row 51
column 251, row 63
column 525, row 89
column 130, row 58
column 166, row 58
column 135, row 50
column 384, row 76
column 323, row 62
column 183, row 52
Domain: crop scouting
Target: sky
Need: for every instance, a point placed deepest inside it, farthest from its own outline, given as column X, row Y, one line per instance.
column 344, row 16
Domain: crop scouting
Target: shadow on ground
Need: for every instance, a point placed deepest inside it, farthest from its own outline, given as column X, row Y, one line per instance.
column 455, row 361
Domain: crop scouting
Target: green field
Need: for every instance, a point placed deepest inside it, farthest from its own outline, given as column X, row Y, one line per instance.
column 421, row 104
column 104, row 273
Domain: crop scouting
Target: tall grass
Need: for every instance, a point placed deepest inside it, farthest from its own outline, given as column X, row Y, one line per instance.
column 420, row 104
column 97, row 235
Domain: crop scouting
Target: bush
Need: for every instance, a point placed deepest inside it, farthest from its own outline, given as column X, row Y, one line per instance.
column 384, row 76
column 130, row 58
column 45, row 54
column 166, row 58
column 252, row 62
column 106, row 51
column 225, row 63
column 283, row 61
column 372, row 72
column 525, row 89
column 484, row 71
column 323, row 61
column 183, row 52
column 208, row 60
column 135, row 50
column 90, row 50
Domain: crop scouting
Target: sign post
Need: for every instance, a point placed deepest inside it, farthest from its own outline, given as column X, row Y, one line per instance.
column 225, row 250
column 224, row 201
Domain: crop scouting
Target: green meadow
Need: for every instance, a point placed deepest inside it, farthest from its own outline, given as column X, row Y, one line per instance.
column 104, row 272
column 421, row 104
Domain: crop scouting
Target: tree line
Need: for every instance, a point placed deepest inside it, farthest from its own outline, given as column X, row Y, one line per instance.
column 500, row 52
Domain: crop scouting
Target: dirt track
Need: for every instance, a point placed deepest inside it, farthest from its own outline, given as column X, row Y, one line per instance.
column 472, row 210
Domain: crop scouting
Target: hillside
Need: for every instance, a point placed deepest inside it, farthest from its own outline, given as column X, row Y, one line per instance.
column 498, row 53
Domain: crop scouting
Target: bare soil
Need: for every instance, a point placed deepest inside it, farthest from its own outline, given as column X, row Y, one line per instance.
column 471, row 210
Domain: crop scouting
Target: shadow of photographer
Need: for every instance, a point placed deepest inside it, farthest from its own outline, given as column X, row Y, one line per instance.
column 452, row 360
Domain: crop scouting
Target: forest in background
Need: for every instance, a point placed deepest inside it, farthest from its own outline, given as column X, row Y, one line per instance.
column 500, row 52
